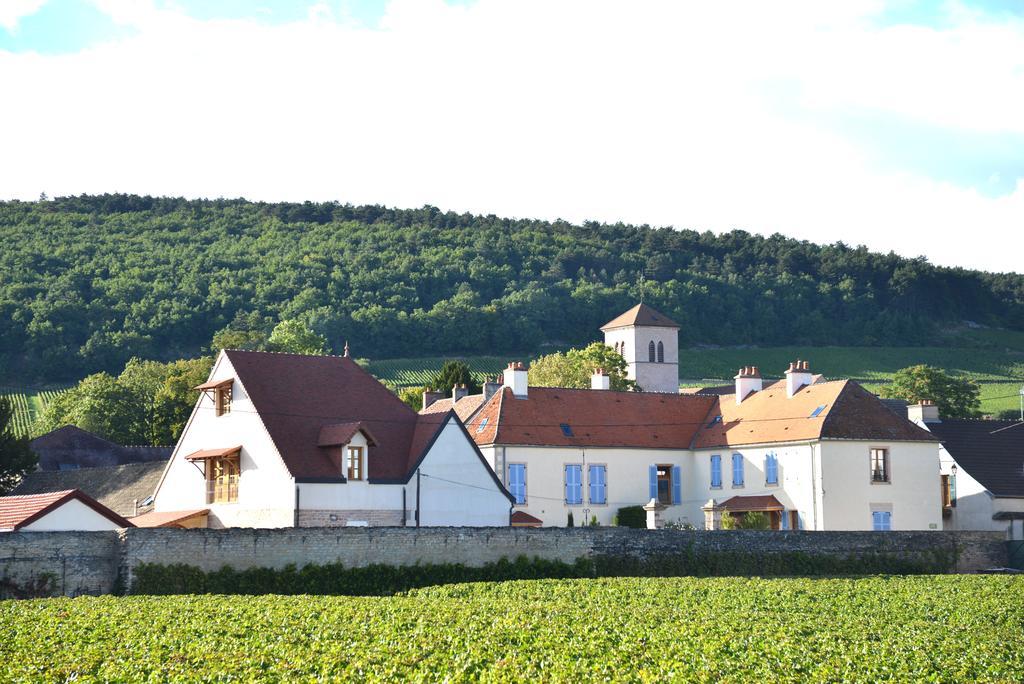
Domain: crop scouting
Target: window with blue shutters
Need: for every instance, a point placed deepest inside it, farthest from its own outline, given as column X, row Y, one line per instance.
column 573, row 484
column 771, row 469
column 783, row 520
column 677, row 485
column 598, row 478
column 652, row 482
column 716, row 471
column 737, row 470
column 881, row 521
column 517, row 481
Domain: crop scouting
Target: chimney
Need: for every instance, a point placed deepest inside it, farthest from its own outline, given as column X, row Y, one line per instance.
column 459, row 391
column 430, row 397
column 491, row 387
column 799, row 375
column 600, row 381
column 748, row 381
column 515, row 378
column 924, row 412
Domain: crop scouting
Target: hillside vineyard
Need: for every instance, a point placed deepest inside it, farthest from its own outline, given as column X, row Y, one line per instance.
column 92, row 281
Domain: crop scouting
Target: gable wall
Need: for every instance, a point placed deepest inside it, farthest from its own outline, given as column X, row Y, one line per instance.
column 72, row 515
column 266, row 492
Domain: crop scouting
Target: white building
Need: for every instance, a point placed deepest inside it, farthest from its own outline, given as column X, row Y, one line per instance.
column 649, row 342
column 809, row 453
column 68, row 510
column 982, row 471
column 279, row 440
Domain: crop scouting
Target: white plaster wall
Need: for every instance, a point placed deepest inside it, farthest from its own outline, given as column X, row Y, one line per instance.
column 266, row 491
column 795, row 490
column 455, row 487
column 848, row 493
column 975, row 505
column 72, row 515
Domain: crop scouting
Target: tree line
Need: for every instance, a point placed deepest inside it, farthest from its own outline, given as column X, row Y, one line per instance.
column 92, row 281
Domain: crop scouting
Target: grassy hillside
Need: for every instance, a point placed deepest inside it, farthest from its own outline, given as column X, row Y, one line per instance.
column 883, row 628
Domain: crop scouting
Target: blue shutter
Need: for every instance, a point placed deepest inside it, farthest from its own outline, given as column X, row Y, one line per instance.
column 771, row 469
column 677, row 485
column 517, row 482
column 598, row 484
column 737, row 470
column 574, row 484
column 783, row 520
column 652, row 481
column 881, row 521
column 716, row 471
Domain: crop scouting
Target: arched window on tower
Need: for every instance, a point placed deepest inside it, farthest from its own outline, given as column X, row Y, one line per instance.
column 661, row 353
column 650, row 352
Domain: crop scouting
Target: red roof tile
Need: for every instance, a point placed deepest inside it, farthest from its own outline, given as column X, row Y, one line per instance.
column 167, row 518
column 641, row 314
column 740, row 504
column 524, row 519
column 464, row 407
column 19, row 511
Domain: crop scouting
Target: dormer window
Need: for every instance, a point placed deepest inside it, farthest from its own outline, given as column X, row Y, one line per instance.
column 354, row 463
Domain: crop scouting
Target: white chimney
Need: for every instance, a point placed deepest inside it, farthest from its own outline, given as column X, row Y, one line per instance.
column 515, row 378
column 799, row 375
column 458, row 392
column 748, row 380
column 600, row 381
column 924, row 412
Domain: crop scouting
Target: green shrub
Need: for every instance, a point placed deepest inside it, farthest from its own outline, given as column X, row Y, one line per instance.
column 631, row 516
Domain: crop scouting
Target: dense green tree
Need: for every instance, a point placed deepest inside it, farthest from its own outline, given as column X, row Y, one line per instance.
column 454, row 373
column 413, row 396
column 575, row 367
column 955, row 397
column 173, row 400
column 90, row 282
column 16, row 458
column 101, row 404
column 294, row 337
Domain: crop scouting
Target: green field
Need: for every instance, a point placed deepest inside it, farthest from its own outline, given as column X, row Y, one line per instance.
column 28, row 405
column 925, row 628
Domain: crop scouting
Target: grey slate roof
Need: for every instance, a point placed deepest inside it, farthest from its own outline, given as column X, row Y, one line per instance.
column 116, row 487
column 991, row 451
column 71, row 446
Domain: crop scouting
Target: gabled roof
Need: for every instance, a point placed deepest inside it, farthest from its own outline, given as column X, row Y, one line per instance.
column 298, row 396
column 991, row 451
column 641, row 314
column 116, row 487
column 591, row 417
column 847, row 411
column 168, row 518
column 17, row 512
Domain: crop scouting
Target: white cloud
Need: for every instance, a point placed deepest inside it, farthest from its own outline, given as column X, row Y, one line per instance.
column 659, row 112
column 13, row 11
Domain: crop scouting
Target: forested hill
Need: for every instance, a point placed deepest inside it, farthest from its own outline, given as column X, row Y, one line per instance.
column 89, row 281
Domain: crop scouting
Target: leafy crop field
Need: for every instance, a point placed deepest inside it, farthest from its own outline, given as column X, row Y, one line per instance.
column 418, row 372
column 28, row 404
column 925, row 628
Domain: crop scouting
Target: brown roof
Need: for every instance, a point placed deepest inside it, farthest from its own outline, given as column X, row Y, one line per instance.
column 464, row 407
column 167, row 518
column 683, row 421
column 524, row 519
column 848, row 411
column 297, row 396
column 116, row 487
column 18, row 511
column 342, row 433
column 204, row 454
column 641, row 314
column 739, row 504
column 594, row 418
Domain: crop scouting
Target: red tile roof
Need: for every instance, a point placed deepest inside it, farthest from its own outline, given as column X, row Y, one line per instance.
column 740, row 504
column 524, row 519
column 297, row 396
column 689, row 421
column 464, row 407
column 641, row 314
column 18, row 511
column 167, row 518
column 594, row 418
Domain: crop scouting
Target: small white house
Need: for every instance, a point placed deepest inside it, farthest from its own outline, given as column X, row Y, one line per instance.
column 280, row 440
column 982, row 464
column 64, row 511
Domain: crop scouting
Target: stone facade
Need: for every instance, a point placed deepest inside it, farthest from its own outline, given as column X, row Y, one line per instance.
column 97, row 562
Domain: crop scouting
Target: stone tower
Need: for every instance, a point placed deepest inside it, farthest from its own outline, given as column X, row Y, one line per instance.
column 649, row 341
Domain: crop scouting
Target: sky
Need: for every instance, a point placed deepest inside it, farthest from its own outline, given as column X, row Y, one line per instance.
column 894, row 124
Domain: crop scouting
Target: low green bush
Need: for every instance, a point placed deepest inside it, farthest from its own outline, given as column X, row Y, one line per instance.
column 631, row 516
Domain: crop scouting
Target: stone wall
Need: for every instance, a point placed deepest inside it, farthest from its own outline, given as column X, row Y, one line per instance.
column 90, row 562
column 68, row 563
